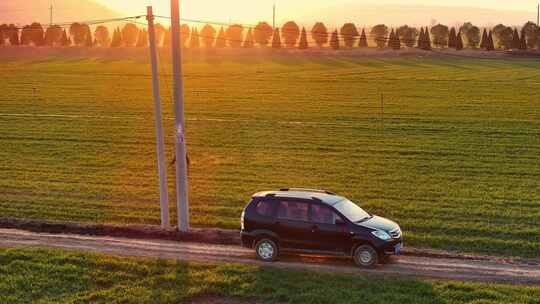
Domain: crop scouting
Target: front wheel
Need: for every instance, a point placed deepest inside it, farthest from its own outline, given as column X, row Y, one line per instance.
column 366, row 256
column 266, row 250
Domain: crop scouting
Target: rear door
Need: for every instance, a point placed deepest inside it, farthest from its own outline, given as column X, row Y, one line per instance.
column 326, row 232
column 292, row 223
column 261, row 216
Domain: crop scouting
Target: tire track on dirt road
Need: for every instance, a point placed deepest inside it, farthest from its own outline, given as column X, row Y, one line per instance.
column 414, row 266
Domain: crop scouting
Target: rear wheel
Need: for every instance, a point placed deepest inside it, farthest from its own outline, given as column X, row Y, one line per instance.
column 366, row 256
column 266, row 250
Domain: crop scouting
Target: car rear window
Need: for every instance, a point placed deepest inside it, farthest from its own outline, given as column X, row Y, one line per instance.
column 295, row 211
column 264, row 208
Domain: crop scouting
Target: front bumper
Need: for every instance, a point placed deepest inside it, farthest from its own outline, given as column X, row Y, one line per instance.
column 393, row 247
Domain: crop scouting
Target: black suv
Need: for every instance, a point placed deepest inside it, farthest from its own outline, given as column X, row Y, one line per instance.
column 316, row 221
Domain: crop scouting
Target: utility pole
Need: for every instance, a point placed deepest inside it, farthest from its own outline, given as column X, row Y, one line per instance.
column 182, row 202
column 51, row 14
column 274, row 17
column 162, row 169
column 538, row 15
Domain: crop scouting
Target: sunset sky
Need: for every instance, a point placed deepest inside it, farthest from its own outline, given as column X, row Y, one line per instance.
column 249, row 10
column 246, row 7
column 305, row 12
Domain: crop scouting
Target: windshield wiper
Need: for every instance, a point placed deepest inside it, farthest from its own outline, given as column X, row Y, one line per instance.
column 364, row 219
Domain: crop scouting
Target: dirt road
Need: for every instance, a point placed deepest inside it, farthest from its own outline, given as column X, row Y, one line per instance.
column 443, row 268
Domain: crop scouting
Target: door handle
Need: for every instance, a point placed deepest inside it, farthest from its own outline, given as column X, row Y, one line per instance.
column 314, row 228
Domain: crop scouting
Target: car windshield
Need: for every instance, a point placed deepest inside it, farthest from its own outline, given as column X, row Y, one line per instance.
column 351, row 211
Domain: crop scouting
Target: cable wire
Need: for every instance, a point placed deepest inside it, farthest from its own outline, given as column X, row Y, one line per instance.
column 66, row 25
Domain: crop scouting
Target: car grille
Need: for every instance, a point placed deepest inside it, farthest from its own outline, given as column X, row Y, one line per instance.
column 396, row 233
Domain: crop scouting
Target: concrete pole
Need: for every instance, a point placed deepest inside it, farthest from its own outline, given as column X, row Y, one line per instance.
column 274, row 16
column 182, row 202
column 51, row 14
column 162, row 169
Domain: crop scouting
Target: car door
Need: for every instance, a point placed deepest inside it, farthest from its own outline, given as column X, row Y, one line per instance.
column 292, row 223
column 329, row 232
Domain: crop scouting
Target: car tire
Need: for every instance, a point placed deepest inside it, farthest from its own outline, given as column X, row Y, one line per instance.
column 366, row 256
column 266, row 250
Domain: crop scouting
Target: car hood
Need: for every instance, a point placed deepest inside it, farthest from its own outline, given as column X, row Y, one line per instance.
column 379, row 223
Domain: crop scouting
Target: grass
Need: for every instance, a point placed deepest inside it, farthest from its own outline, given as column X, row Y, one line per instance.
column 456, row 160
column 42, row 276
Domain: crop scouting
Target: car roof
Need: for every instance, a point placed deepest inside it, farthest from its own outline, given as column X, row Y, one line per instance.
column 322, row 196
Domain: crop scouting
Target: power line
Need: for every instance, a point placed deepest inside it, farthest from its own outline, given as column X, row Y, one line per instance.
column 342, row 37
column 88, row 22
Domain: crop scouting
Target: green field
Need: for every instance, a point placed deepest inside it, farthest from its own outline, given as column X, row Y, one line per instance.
column 42, row 276
column 455, row 159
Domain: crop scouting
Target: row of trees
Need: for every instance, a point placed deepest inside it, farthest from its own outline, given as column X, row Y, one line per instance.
column 467, row 35
column 289, row 35
column 34, row 34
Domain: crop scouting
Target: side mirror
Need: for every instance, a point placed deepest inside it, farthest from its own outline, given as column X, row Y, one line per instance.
column 340, row 222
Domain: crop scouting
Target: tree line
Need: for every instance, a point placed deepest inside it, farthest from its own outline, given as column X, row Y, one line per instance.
column 290, row 35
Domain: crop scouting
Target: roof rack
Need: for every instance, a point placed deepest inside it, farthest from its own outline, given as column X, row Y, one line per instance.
column 308, row 190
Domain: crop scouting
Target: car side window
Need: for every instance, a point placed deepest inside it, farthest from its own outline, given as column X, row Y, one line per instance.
column 323, row 215
column 264, row 208
column 294, row 211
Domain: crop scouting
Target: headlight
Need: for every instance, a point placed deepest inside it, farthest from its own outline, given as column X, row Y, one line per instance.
column 381, row 235
column 242, row 220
